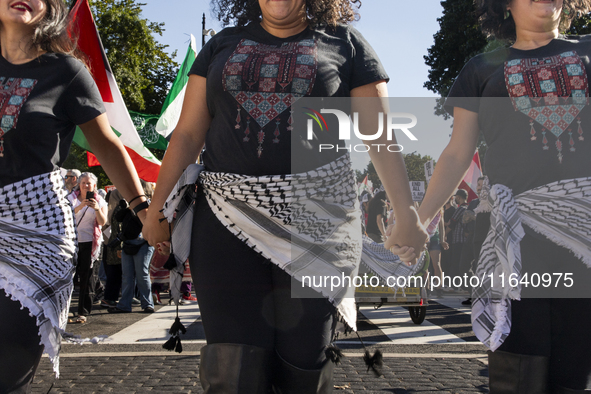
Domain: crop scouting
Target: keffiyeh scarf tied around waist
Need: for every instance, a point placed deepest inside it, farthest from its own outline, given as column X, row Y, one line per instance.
column 308, row 224
column 37, row 248
column 561, row 211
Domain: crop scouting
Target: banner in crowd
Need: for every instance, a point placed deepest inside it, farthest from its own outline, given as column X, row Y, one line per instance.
column 146, row 127
column 83, row 27
column 429, row 169
column 470, row 181
column 417, row 188
column 171, row 109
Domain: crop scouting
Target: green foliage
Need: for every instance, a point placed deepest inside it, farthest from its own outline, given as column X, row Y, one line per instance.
column 142, row 68
column 458, row 39
column 415, row 168
column 581, row 25
column 77, row 160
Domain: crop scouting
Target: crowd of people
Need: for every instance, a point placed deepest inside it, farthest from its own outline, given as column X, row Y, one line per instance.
column 245, row 227
column 112, row 271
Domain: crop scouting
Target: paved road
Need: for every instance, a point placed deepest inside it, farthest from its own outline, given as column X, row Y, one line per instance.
column 440, row 355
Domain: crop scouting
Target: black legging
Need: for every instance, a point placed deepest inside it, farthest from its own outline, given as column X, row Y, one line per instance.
column 87, row 280
column 20, row 351
column 245, row 299
column 555, row 327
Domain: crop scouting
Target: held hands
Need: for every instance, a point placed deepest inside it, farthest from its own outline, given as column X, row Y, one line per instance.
column 163, row 248
column 155, row 231
column 407, row 238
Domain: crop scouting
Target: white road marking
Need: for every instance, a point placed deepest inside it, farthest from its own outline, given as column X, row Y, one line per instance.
column 395, row 322
column 454, row 303
column 154, row 328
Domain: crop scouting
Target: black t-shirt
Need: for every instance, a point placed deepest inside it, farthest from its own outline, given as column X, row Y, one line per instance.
column 376, row 207
column 252, row 78
column 534, row 136
column 41, row 102
column 448, row 213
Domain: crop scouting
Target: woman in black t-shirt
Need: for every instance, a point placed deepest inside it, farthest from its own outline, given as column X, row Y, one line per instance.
column 531, row 101
column 376, row 217
column 45, row 93
column 238, row 103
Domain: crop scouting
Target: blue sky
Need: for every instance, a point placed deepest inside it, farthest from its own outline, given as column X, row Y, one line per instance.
column 399, row 31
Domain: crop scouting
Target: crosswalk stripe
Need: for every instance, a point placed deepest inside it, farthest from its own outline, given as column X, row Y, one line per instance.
column 395, row 322
column 154, row 328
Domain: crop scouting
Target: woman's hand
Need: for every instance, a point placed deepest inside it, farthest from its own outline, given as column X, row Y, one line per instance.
column 445, row 245
column 155, row 231
column 407, row 238
column 91, row 203
column 163, row 248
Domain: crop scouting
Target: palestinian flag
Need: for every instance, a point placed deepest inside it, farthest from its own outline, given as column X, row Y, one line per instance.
column 171, row 109
column 82, row 26
column 470, row 181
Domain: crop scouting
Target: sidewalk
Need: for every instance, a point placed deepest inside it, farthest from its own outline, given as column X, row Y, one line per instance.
column 157, row 372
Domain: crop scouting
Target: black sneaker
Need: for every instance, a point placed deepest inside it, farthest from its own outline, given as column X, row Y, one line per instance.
column 467, row 302
column 148, row 310
column 117, row 310
column 108, row 304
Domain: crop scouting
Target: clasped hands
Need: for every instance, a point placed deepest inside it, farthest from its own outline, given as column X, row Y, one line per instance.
column 407, row 238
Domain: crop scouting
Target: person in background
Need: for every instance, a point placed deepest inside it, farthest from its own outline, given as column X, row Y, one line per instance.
column 90, row 213
column 136, row 255
column 457, row 236
column 71, row 179
column 437, row 243
column 112, row 252
column 377, row 213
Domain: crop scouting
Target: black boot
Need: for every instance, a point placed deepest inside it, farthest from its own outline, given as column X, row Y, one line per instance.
column 556, row 389
column 227, row 368
column 518, row 373
column 289, row 379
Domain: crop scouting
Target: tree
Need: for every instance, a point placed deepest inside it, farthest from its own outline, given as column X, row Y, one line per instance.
column 458, row 39
column 415, row 168
column 142, row 68
column 581, row 25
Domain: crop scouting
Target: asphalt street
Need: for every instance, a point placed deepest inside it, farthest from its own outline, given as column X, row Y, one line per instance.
column 440, row 355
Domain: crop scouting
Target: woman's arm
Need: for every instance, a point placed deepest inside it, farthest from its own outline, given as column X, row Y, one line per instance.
column 452, row 164
column 114, row 159
column 101, row 216
column 187, row 142
column 368, row 100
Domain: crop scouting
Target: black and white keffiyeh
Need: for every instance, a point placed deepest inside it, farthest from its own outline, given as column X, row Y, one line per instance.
column 37, row 247
column 561, row 211
column 308, row 224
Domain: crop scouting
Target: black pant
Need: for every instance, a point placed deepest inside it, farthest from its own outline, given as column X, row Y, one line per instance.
column 87, row 279
column 20, row 351
column 245, row 299
column 113, row 285
column 554, row 326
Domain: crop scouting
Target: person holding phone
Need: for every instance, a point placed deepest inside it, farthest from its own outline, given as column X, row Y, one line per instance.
column 90, row 211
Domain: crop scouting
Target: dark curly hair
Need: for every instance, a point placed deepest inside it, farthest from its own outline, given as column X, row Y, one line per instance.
column 491, row 15
column 329, row 12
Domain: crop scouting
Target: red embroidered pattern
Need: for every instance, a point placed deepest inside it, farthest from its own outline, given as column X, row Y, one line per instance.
column 266, row 80
column 552, row 92
column 13, row 95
